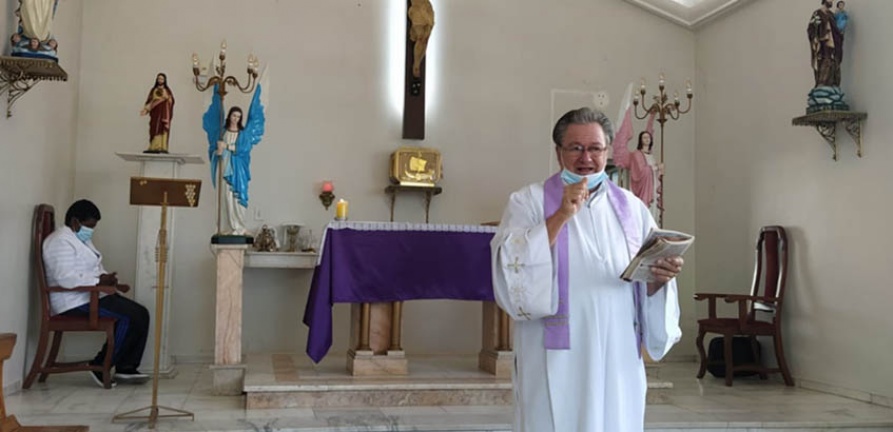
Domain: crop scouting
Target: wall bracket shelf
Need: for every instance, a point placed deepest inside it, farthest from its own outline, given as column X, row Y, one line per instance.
column 20, row 74
column 826, row 122
column 429, row 191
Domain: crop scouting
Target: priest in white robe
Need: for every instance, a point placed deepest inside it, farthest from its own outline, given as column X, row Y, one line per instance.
column 557, row 260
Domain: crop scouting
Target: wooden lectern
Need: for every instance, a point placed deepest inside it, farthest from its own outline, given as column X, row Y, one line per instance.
column 165, row 193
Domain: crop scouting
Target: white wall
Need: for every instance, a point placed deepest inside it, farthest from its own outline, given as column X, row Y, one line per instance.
column 754, row 168
column 331, row 117
column 37, row 167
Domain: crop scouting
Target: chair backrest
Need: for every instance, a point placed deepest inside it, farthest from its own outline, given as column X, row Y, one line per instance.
column 44, row 224
column 770, row 270
column 7, row 342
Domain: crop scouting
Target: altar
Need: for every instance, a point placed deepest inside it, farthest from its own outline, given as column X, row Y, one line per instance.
column 375, row 266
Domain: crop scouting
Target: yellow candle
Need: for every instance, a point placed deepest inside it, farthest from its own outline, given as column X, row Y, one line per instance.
column 341, row 210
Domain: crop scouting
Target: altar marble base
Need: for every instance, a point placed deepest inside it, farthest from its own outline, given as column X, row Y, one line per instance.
column 366, row 363
column 274, row 381
column 499, row 363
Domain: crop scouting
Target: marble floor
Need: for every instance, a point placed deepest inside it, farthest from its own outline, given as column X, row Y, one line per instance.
column 693, row 405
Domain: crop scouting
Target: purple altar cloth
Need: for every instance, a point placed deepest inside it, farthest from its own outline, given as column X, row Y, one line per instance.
column 368, row 266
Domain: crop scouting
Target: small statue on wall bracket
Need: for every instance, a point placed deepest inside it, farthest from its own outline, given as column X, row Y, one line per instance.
column 34, row 34
column 825, row 31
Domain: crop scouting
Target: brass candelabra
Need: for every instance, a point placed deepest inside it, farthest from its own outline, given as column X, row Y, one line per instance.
column 662, row 109
column 222, row 81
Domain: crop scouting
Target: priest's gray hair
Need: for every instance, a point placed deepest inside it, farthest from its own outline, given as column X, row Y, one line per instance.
column 582, row 116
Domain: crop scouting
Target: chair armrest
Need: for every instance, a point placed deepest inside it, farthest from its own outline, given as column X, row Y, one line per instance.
column 742, row 301
column 740, row 297
column 7, row 342
column 711, row 301
column 94, row 298
column 705, row 296
column 95, row 288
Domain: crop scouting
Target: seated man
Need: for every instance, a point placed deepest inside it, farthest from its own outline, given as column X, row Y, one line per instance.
column 71, row 260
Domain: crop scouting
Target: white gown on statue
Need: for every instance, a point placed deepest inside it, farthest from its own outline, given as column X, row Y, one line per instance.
column 235, row 213
column 599, row 384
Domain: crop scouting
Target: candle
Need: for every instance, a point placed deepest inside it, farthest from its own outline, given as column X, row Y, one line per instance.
column 341, row 210
column 327, row 186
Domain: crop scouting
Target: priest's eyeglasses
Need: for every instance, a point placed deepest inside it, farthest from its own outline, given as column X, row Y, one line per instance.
column 577, row 150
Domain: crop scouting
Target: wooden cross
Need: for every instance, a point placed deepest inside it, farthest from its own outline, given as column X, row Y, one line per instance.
column 419, row 23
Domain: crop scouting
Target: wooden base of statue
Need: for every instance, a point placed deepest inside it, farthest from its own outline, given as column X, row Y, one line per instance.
column 164, row 192
column 496, row 356
column 375, row 333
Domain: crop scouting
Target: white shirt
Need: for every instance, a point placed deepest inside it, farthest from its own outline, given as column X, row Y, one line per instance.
column 70, row 263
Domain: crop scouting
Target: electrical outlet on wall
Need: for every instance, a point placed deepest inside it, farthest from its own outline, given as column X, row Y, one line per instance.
column 257, row 215
column 602, row 100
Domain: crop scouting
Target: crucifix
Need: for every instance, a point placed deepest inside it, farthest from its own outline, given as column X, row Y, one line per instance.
column 419, row 23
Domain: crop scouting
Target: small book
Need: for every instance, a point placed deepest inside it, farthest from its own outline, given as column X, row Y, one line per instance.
column 660, row 243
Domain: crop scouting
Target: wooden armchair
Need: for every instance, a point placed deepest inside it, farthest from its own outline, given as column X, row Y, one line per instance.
column 44, row 221
column 9, row 423
column 771, row 269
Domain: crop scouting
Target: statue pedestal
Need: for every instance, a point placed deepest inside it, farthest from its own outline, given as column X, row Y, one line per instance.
column 148, row 222
column 228, row 369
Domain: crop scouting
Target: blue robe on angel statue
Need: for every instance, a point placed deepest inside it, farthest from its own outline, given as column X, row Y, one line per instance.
column 230, row 141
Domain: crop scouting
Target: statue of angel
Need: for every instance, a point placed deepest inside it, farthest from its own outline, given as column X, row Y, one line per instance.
column 230, row 141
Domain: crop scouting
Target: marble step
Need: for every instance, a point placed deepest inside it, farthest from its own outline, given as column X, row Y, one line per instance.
column 278, row 381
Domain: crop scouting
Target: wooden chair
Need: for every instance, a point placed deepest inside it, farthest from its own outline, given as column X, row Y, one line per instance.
column 9, row 423
column 770, row 268
column 44, row 221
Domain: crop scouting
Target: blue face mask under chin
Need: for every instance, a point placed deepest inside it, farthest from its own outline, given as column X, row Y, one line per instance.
column 592, row 180
column 84, row 234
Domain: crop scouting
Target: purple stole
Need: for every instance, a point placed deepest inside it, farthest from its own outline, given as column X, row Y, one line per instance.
column 557, row 329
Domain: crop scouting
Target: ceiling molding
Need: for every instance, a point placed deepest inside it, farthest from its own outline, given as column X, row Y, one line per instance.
column 690, row 14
